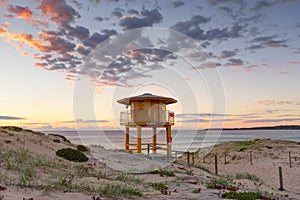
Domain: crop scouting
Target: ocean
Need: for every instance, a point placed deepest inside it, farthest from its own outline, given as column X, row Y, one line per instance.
column 183, row 140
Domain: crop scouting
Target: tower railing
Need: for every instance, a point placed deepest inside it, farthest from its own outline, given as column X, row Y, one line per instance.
column 147, row 117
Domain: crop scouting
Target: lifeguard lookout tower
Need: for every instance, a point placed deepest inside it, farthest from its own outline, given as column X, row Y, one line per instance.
column 147, row 110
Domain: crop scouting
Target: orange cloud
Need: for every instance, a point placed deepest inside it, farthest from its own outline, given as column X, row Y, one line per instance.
column 24, row 13
column 22, row 37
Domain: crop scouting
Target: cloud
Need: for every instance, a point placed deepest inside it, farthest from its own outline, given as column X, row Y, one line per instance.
column 283, row 72
column 176, row 4
column 189, row 115
column 83, row 121
column 272, row 120
column 79, row 32
column 99, row 19
column 250, row 68
column 276, row 102
column 133, row 12
column 148, row 18
column 59, row 11
column 267, row 41
column 228, row 54
column 24, row 13
column 208, row 65
column 193, row 29
column 117, row 12
column 262, row 4
column 11, row 118
column 217, row 2
column 97, row 38
column 295, row 62
column 235, row 62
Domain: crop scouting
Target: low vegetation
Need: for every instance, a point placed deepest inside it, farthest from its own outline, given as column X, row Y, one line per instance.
column 82, row 148
column 72, row 155
column 159, row 186
column 242, row 195
column 163, row 172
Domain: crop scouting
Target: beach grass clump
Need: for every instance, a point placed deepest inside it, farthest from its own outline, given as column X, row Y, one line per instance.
column 213, row 182
column 60, row 136
column 117, row 190
column 203, row 168
column 242, row 195
column 158, row 185
column 13, row 128
column 163, row 172
column 246, row 175
column 72, row 155
column 82, row 148
column 125, row 177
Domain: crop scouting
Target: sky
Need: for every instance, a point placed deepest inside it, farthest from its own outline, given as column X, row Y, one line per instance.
column 229, row 63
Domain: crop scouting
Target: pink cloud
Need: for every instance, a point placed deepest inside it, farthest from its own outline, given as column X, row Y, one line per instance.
column 283, row 72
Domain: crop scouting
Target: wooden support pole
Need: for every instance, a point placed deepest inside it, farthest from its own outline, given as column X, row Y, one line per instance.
column 127, row 139
column 225, row 161
column 290, row 159
column 251, row 158
column 216, row 164
column 280, row 180
column 169, row 140
column 154, row 139
column 188, row 158
column 139, row 139
column 148, row 148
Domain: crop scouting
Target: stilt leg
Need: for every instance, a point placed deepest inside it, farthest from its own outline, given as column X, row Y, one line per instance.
column 154, row 136
column 139, row 139
column 127, row 139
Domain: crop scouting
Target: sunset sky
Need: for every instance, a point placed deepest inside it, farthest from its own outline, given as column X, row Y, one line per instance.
column 240, row 61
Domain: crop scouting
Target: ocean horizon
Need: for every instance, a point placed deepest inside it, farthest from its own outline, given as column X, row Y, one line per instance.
column 183, row 140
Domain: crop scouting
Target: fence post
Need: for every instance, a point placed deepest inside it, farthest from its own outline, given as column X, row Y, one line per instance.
column 290, row 159
column 193, row 158
column 204, row 159
column 225, row 162
column 216, row 164
column 148, row 148
column 280, row 179
column 188, row 158
column 251, row 158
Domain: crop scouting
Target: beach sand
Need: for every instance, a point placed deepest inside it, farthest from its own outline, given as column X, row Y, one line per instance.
column 29, row 168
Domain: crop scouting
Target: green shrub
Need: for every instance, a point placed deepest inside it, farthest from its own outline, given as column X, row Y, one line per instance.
column 56, row 140
column 82, row 148
column 159, row 186
column 163, row 172
column 72, row 155
column 242, row 195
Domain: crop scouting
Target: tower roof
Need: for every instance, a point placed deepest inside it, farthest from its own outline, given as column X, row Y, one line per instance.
column 147, row 96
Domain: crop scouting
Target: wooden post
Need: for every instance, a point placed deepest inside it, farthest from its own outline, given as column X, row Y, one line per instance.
column 216, row 164
column 127, row 139
column 139, row 139
column 204, row 159
column 251, row 158
column 193, row 158
column 188, row 158
column 280, row 179
column 225, row 162
column 290, row 159
column 148, row 148
column 154, row 139
column 169, row 141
